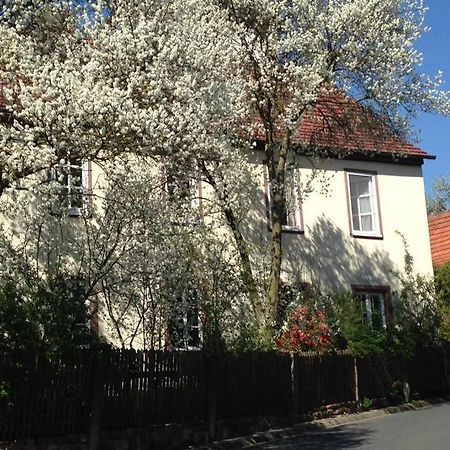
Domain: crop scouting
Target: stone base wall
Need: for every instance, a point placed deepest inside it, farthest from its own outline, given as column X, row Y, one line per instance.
column 171, row 437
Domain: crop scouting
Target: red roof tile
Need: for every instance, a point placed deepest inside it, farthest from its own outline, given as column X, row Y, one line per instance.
column 439, row 226
column 339, row 123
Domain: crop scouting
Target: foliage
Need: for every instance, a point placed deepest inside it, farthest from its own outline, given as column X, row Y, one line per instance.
column 45, row 324
column 50, row 320
column 415, row 313
column 20, row 334
column 305, row 330
column 367, row 403
column 350, row 329
column 439, row 201
column 396, row 394
column 442, row 282
column 442, row 285
column 246, row 340
column 416, row 319
column 444, row 326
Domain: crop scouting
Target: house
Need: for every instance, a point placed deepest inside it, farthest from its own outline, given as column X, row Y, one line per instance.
column 355, row 194
column 346, row 233
column 439, row 227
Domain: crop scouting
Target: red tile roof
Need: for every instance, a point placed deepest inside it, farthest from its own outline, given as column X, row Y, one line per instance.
column 339, row 123
column 439, row 226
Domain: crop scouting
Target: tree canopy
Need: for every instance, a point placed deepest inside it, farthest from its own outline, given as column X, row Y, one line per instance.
column 185, row 82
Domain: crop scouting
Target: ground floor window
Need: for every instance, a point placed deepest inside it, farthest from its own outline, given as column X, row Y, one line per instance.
column 184, row 326
column 375, row 304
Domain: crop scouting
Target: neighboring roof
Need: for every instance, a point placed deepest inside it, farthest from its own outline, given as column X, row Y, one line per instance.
column 339, row 124
column 439, row 226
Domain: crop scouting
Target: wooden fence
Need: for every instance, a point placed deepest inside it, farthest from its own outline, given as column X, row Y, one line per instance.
column 119, row 389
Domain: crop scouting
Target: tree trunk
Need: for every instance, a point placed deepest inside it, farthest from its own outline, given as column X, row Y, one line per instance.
column 277, row 170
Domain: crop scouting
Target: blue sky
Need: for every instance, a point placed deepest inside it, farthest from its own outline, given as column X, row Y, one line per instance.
column 433, row 130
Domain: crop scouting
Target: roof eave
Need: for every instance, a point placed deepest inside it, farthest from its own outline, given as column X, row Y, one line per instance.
column 361, row 155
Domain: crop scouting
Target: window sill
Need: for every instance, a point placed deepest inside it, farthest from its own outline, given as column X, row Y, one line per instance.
column 69, row 212
column 292, row 230
column 74, row 211
column 378, row 237
column 288, row 230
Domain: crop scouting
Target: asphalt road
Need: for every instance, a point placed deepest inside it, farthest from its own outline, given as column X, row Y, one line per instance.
column 425, row 429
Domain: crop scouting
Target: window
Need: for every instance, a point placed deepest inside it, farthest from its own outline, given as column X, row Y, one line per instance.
column 363, row 204
column 184, row 324
column 375, row 304
column 185, row 191
column 291, row 215
column 181, row 192
column 182, row 188
column 72, row 177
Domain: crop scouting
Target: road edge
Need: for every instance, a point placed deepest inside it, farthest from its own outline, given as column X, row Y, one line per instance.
column 264, row 437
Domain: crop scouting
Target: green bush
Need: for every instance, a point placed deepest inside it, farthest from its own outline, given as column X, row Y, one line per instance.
column 351, row 328
column 442, row 285
column 46, row 322
column 20, row 334
column 247, row 339
column 367, row 403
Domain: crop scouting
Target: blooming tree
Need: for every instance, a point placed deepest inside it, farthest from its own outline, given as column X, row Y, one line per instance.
column 189, row 81
column 149, row 268
column 97, row 79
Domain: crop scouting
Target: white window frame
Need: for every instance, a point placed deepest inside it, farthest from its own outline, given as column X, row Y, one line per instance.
column 184, row 341
column 66, row 168
column 366, row 298
column 193, row 186
column 298, row 227
column 375, row 214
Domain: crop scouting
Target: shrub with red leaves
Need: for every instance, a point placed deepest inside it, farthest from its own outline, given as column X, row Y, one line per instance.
column 306, row 330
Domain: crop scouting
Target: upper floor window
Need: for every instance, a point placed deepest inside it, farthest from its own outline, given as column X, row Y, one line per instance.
column 291, row 216
column 72, row 176
column 182, row 189
column 363, row 204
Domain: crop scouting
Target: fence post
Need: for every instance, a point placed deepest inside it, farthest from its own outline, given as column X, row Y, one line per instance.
column 97, row 397
column 294, row 387
column 406, row 388
column 355, row 374
column 446, row 367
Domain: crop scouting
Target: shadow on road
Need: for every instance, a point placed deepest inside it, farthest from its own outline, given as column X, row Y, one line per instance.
column 338, row 438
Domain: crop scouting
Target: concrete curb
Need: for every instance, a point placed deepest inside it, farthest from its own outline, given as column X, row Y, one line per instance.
column 255, row 440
